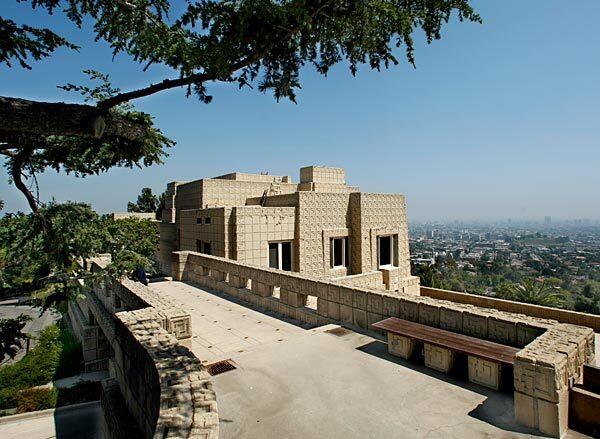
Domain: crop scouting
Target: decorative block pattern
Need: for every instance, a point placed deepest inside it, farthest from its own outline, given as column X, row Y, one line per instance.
column 403, row 347
column 483, row 372
column 438, row 358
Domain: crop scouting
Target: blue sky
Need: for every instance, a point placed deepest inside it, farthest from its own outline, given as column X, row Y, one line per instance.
column 498, row 120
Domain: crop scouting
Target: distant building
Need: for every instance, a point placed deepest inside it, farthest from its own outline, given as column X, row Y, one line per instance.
column 547, row 220
column 320, row 227
column 138, row 215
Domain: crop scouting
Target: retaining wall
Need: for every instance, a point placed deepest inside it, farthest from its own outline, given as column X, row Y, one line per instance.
column 165, row 389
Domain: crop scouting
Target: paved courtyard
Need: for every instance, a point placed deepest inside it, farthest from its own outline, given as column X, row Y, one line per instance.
column 296, row 382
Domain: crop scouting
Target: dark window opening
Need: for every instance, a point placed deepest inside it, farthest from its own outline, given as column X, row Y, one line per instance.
column 198, row 220
column 385, row 250
column 286, row 256
column 273, row 255
column 207, row 220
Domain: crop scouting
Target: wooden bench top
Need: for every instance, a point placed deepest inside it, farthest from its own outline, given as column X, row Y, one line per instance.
column 450, row 340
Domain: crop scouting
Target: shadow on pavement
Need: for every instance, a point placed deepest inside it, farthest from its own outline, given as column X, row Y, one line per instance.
column 496, row 410
column 81, row 421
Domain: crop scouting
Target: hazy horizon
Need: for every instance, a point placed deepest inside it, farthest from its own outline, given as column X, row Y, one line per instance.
column 498, row 120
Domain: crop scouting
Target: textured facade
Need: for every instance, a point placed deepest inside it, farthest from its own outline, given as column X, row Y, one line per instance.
column 320, row 227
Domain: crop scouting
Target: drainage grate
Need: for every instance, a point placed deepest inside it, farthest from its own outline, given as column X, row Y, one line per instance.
column 339, row 332
column 220, row 367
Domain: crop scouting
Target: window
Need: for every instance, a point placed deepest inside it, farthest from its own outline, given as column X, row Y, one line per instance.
column 199, row 220
column 207, row 220
column 203, row 247
column 339, row 252
column 280, row 255
column 386, row 254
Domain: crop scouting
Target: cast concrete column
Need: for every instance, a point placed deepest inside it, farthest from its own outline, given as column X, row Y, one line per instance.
column 179, row 264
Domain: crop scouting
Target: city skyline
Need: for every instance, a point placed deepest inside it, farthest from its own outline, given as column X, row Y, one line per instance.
column 493, row 124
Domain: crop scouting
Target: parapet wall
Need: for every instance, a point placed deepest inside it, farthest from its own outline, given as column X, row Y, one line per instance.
column 544, row 370
column 545, row 312
column 373, row 280
column 164, row 387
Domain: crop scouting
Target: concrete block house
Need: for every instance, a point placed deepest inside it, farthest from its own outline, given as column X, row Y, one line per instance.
column 320, row 227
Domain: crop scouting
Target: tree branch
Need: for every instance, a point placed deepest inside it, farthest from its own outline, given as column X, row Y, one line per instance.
column 151, row 89
column 16, row 172
column 22, row 117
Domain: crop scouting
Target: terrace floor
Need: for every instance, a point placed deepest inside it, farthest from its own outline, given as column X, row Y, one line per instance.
column 294, row 381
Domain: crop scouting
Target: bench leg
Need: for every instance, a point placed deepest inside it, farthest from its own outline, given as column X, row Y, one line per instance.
column 403, row 347
column 438, row 358
column 484, row 372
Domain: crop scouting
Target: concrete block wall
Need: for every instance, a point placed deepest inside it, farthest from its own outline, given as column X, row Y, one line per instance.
column 193, row 228
column 322, row 174
column 372, row 280
column 318, row 213
column 544, row 312
column 218, row 193
column 254, row 227
column 375, row 215
column 548, row 365
column 164, row 387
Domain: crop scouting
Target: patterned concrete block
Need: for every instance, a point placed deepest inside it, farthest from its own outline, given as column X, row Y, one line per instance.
column 403, row 347
column 438, row 358
column 429, row 314
column 451, row 318
column 409, row 309
column 484, row 372
column 391, row 306
column 502, row 328
column 475, row 324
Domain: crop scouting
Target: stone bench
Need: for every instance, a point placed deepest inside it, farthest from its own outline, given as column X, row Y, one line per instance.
column 441, row 347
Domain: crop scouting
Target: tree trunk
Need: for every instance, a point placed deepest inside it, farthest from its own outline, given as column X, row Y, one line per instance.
column 21, row 117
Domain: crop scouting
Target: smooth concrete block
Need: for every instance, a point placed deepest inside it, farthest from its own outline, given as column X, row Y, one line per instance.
column 374, row 318
column 549, row 418
column 262, row 289
column 333, row 310
column 346, row 314
column 484, row 372
column 359, row 317
column 438, row 358
column 293, row 299
column 322, row 305
column 403, row 347
column 525, row 410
